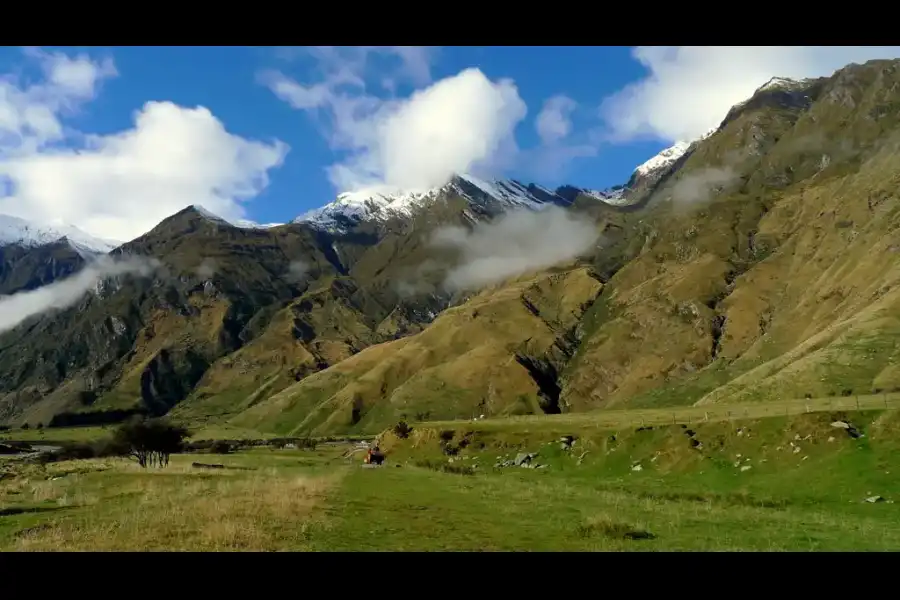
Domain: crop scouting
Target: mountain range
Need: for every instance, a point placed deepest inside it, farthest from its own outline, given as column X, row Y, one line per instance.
column 757, row 262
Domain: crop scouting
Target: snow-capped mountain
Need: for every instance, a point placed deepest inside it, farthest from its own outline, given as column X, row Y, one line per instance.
column 663, row 159
column 381, row 204
column 14, row 230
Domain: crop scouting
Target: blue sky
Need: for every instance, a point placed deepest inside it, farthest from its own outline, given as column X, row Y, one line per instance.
column 112, row 176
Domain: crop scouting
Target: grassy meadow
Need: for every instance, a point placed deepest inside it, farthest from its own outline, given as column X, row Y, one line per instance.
column 793, row 482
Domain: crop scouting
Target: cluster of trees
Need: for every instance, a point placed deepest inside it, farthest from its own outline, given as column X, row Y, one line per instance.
column 150, row 441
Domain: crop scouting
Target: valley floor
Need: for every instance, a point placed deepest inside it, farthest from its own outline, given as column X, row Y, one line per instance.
column 781, row 483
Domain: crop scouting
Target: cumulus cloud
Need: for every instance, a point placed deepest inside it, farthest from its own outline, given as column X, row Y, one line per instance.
column 688, row 90
column 30, row 115
column 554, row 121
column 118, row 186
column 513, row 244
column 463, row 123
column 62, row 294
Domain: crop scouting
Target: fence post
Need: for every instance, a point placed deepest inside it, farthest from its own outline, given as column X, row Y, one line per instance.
column 673, row 419
column 705, row 416
column 807, row 408
column 857, row 403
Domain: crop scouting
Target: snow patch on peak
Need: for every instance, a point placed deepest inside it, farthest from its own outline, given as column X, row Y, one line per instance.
column 783, row 83
column 615, row 197
column 382, row 203
column 14, row 230
column 240, row 223
column 664, row 158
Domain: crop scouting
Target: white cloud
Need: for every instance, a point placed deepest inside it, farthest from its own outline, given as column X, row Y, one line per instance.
column 554, row 121
column 513, row 244
column 119, row 186
column 461, row 123
column 29, row 115
column 62, row 294
column 689, row 89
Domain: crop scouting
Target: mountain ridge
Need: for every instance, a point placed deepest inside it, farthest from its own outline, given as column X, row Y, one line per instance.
column 757, row 262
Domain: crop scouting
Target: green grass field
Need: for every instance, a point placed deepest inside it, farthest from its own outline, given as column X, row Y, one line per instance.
column 780, row 483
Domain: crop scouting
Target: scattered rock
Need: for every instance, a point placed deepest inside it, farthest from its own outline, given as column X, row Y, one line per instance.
column 841, row 425
column 874, row 499
column 796, row 449
column 523, row 458
column 746, row 468
column 637, row 468
column 831, row 438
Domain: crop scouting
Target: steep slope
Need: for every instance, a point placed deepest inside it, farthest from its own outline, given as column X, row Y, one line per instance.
column 24, row 268
column 757, row 264
column 139, row 343
column 34, row 255
column 766, row 272
column 484, row 356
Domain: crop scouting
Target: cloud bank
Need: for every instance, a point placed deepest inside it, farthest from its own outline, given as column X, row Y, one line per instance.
column 688, row 90
column 121, row 185
column 464, row 123
column 62, row 294
column 513, row 244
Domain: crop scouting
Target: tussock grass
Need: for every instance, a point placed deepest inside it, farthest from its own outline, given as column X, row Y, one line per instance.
column 121, row 507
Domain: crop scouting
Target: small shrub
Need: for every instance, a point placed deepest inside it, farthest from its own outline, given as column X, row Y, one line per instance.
column 613, row 530
column 402, row 430
column 847, row 392
column 221, row 447
column 26, row 427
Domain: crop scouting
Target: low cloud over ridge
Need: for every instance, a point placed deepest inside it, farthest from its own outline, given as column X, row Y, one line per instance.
column 16, row 308
column 513, row 244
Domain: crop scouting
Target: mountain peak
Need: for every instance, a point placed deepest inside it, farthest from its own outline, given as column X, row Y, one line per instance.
column 381, row 203
column 15, row 230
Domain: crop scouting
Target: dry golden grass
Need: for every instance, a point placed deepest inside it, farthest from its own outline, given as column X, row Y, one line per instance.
column 463, row 364
column 127, row 508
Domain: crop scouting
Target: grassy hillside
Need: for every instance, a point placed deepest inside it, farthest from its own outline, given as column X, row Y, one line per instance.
column 488, row 355
column 759, row 268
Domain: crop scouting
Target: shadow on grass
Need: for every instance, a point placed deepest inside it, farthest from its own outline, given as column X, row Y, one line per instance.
column 613, row 530
column 720, row 499
column 22, row 510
